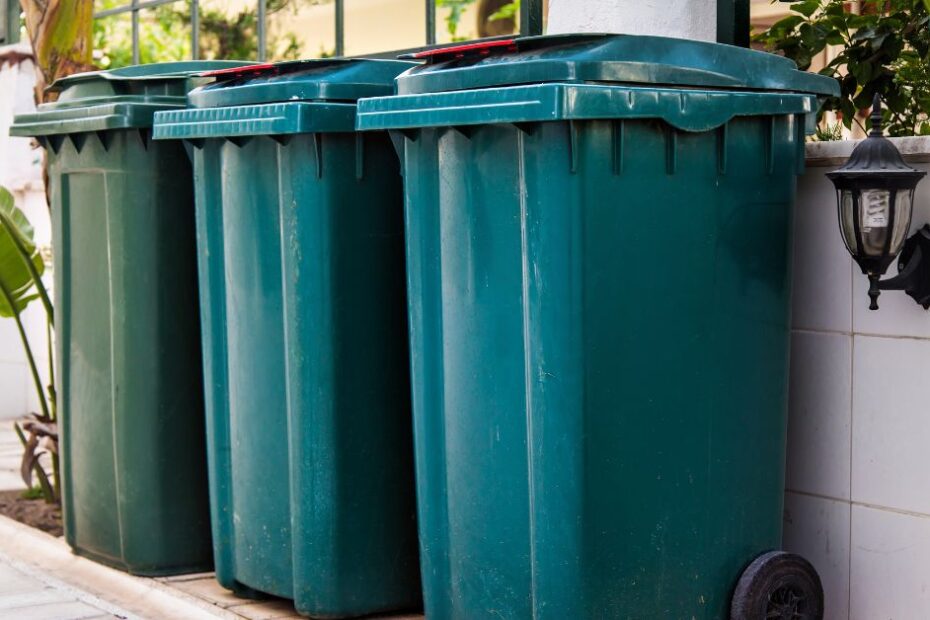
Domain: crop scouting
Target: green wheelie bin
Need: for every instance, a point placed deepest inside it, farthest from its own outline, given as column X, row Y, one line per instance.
column 301, row 257
column 598, row 242
column 127, row 331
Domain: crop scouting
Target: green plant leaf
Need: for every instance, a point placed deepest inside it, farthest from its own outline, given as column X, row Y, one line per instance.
column 807, row 7
column 27, row 255
column 15, row 277
column 456, row 9
column 508, row 11
column 787, row 24
column 885, row 49
column 8, row 205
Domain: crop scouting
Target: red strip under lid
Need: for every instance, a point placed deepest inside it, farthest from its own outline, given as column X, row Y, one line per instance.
column 233, row 72
column 468, row 49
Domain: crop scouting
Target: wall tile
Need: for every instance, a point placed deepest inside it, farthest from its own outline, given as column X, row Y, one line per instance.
column 11, row 345
column 818, row 530
column 34, row 324
column 891, row 423
column 890, row 565
column 898, row 314
column 823, row 269
column 32, row 398
column 820, row 401
column 11, row 349
column 13, row 382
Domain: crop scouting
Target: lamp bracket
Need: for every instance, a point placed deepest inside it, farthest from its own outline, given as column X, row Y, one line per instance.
column 913, row 269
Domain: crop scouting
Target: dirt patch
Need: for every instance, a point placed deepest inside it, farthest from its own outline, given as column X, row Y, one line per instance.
column 32, row 512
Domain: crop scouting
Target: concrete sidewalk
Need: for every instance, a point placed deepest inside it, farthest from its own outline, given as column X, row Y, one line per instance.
column 39, row 575
column 49, row 560
column 27, row 594
column 41, row 579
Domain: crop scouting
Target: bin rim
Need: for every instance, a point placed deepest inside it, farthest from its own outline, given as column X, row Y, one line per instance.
column 608, row 58
column 248, row 121
column 333, row 80
column 684, row 109
column 175, row 70
column 84, row 106
column 284, row 67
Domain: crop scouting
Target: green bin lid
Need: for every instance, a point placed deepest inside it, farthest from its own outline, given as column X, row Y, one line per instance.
column 607, row 58
column 334, row 79
column 116, row 99
column 303, row 96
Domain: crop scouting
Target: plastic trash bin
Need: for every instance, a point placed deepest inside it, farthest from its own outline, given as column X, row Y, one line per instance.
column 301, row 249
column 598, row 233
column 127, row 333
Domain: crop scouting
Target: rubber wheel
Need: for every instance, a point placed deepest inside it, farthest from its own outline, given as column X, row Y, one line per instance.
column 778, row 586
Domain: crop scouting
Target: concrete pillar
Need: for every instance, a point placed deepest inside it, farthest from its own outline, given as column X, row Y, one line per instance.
column 683, row 19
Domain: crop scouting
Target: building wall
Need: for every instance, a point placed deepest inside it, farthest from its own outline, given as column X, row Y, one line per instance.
column 21, row 173
column 857, row 502
column 686, row 19
column 370, row 26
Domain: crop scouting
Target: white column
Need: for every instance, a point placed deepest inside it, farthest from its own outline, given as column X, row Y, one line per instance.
column 683, row 19
column 21, row 174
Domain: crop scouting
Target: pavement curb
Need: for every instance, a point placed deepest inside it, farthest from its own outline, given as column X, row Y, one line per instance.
column 50, row 559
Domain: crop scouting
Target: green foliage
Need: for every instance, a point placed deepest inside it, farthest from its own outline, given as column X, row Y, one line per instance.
column 510, row 10
column 21, row 268
column 16, row 274
column 165, row 35
column 454, row 17
column 33, row 493
column 225, row 37
column 162, row 36
column 885, row 50
column 827, row 132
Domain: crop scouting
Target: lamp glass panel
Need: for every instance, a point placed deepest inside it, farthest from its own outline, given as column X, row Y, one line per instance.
column 874, row 217
column 847, row 228
column 903, row 208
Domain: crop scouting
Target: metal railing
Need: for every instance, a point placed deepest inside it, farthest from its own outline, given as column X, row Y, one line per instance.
column 531, row 19
column 732, row 22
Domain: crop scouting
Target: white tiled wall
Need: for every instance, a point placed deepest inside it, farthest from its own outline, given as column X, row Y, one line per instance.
column 818, row 529
column 857, row 502
column 21, row 173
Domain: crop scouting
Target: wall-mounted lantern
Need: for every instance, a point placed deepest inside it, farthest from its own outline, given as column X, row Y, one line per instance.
column 875, row 194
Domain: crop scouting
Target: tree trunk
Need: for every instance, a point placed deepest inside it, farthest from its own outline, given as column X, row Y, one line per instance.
column 61, row 33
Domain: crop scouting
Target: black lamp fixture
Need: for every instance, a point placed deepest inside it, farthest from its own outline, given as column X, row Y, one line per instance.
column 875, row 195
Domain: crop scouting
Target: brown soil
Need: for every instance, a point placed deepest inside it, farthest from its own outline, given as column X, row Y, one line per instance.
column 33, row 512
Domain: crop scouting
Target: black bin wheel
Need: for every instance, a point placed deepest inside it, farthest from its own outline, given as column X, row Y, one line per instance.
column 778, row 586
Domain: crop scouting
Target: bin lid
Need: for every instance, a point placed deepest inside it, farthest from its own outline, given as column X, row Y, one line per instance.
column 607, row 58
column 116, row 99
column 332, row 79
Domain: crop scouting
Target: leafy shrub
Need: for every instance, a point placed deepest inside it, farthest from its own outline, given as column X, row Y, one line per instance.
column 884, row 49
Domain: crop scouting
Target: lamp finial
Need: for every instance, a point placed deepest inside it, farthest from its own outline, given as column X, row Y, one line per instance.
column 876, row 116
